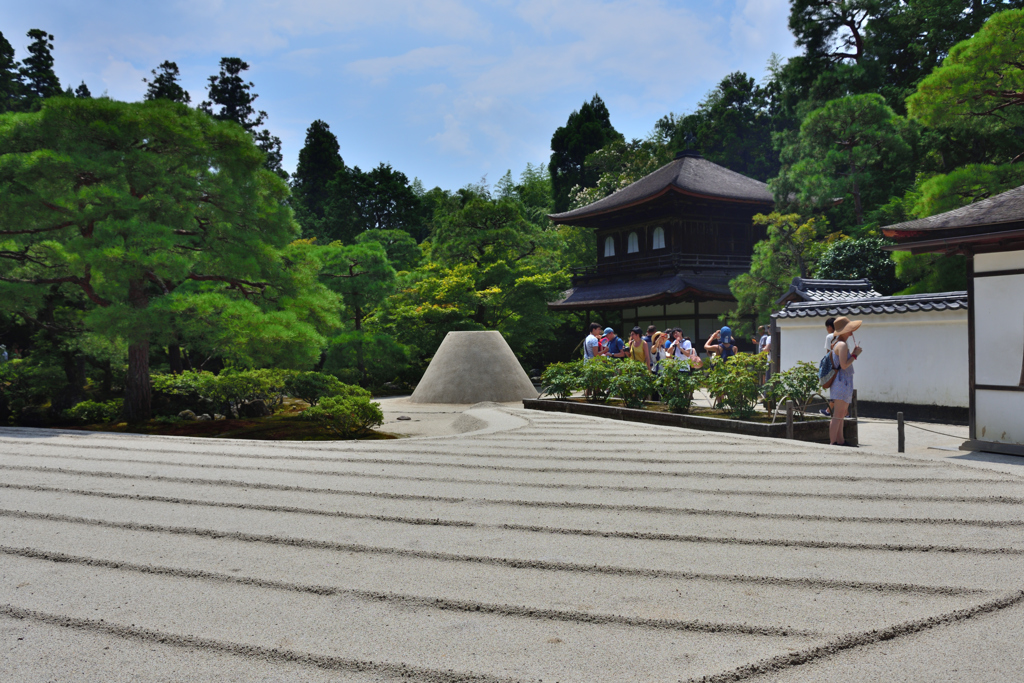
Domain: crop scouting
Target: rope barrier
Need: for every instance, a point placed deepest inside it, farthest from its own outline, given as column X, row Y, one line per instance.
column 908, row 424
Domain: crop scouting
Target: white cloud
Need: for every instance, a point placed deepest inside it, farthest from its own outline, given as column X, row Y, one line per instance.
column 378, row 69
column 453, row 138
column 123, row 81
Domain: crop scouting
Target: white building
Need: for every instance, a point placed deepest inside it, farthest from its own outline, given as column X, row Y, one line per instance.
column 915, row 346
column 990, row 234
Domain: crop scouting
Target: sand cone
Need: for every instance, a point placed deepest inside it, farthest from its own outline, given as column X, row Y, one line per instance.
column 471, row 367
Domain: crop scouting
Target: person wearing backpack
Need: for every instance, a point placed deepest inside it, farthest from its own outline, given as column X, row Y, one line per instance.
column 841, row 388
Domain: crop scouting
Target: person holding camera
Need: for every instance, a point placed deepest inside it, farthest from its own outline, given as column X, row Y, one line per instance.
column 722, row 343
column 841, row 391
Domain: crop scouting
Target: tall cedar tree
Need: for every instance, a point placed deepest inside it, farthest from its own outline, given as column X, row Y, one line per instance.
column 233, row 97
column 36, row 70
column 165, row 86
column 143, row 208
column 319, row 164
column 10, row 78
column 586, row 131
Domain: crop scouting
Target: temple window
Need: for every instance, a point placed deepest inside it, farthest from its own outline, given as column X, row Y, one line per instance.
column 659, row 238
column 609, row 246
column 634, row 244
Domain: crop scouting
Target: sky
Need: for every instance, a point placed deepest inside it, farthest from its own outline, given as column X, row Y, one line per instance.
column 448, row 91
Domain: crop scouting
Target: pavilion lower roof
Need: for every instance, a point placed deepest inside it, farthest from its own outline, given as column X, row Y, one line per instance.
column 683, row 286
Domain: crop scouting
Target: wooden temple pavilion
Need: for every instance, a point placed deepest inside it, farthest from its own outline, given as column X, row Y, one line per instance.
column 990, row 233
column 668, row 245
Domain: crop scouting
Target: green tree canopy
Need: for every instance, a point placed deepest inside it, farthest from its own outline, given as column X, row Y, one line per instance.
column 587, row 130
column 854, row 147
column 732, row 126
column 154, row 215
column 319, row 164
column 853, row 259
column 165, row 84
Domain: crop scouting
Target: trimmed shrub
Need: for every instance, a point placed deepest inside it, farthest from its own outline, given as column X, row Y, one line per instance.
column 348, row 415
column 633, row 383
column 225, row 391
column 312, row 386
column 676, row 387
column 93, row 412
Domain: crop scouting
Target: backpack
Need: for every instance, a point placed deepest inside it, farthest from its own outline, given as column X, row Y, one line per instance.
column 826, row 371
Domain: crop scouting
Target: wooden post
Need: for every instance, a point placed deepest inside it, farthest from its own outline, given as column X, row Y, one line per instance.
column 853, row 405
column 789, row 418
column 901, row 437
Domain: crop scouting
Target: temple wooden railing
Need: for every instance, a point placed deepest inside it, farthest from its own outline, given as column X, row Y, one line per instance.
column 696, row 262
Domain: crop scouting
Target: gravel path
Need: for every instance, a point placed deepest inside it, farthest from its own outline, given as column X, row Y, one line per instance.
column 499, row 544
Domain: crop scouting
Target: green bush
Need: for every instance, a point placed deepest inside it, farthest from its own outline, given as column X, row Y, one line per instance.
column 676, row 387
column 561, row 379
column 735, row 382
column 24, row 383
column 312, row 386
column 799, row 383
column 92, row 412
column 348, row 415
column 595, row 376
column 229, row 389
column 633, row 383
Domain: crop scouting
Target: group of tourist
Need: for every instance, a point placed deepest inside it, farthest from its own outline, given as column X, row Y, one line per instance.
column 654, row 346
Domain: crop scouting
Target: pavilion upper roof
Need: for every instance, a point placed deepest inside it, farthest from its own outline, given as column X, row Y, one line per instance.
column 688, row 174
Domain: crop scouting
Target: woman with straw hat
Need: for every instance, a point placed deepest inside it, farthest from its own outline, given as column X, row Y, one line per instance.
column 842, row 387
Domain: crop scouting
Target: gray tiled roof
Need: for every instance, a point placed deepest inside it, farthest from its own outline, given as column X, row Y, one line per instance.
column 690, row 173
column 808, row 289
column 640, row 291
column 943, row 301
column 1007, row 207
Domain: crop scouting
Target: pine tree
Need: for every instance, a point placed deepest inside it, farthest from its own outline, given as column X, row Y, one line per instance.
column 586, row 131
column 10, row 78
column 165, row 86
column 37, row 69
column 154, row 243
column 234, row 98
column 82, row 91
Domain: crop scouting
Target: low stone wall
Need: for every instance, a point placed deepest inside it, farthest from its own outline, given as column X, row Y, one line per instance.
column 815, row 431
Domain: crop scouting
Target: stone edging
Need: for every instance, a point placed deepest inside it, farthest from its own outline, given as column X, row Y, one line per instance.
column 815, row 431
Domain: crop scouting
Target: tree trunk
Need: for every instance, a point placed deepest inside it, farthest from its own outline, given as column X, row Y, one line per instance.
column 174, row 359
column 137, row 395
column 138, row 406
column 857, row 206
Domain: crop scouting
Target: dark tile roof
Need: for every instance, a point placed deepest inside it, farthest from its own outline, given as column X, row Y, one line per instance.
column 943, row 301
column 1007, row 207
column 808, row 289
column 689, row 174
column 639, row 292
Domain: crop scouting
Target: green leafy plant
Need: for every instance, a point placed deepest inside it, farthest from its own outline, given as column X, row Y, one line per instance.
column 348, row 415
column 633, row 383
column 735, row 383
column 799, row 384
column 93, row 412
column 676, row 387
column 596, row 378
column 561, row 379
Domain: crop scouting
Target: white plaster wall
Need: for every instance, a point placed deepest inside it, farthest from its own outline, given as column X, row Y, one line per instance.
column 998, row 415
column 915, row 357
